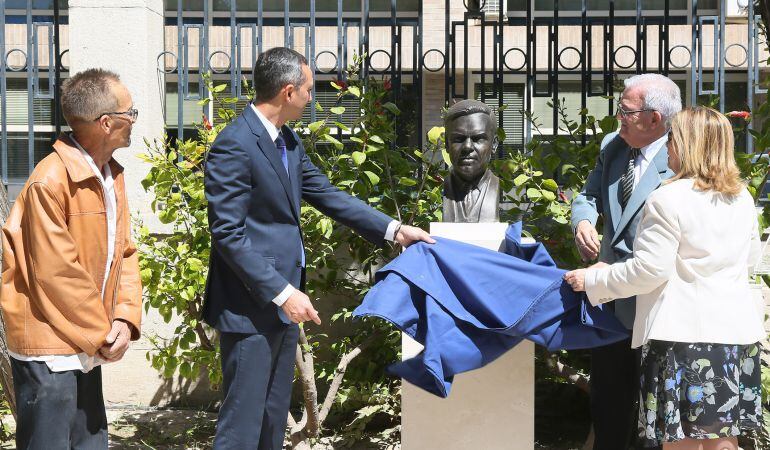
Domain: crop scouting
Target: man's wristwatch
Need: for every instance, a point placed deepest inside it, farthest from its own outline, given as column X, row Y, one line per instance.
column 395, row 232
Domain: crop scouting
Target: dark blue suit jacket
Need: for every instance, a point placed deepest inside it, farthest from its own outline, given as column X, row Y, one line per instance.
column 468, row 305
column 254, row 218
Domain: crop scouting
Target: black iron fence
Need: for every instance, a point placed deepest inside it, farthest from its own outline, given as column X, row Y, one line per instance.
column 521, row 53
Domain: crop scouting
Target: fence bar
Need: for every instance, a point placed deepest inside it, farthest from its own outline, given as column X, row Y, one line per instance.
column 180, row 90
column 30, row 91
column 57, row 70
column 3, row 99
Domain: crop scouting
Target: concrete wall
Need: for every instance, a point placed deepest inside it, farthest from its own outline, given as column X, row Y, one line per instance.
column 126, row 36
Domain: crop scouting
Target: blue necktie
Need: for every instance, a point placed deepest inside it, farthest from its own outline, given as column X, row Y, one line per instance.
column 281, row 145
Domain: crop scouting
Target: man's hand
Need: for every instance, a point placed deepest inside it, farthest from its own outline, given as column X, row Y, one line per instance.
column 587, row 240
column 299, row 309
column 116, row 342
column 408, row 235
column 576, row 279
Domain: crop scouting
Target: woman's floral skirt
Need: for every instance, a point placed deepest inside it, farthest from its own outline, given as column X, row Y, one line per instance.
column 698, row 391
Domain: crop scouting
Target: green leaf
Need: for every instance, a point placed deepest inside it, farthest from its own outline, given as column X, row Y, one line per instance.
column 404, row 181
column 445, row 155
column 337, row 110
column 392, row 108
column 434, row 135
column 373, row 177
column 195, row 264
column 314, row 126
column 354, row 90
column 219, row 88
column 319, row 107
column 376, row 139
column 551, row 185
column 342, row 126
column 534, row 194
column 359, row 158
column 521, row 179
column 501, row 134
column 548, row 195
column 337, row 144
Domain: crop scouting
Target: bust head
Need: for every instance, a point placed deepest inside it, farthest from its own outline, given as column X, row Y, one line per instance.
column 471, row 138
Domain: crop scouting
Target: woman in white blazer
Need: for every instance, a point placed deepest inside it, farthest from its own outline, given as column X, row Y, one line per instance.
column 696, row 319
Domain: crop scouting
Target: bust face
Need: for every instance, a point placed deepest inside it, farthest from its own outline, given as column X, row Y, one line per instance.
column 470, row 141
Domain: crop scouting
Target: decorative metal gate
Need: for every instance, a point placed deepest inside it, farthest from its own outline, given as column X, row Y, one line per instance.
column 516, row 52
column 29, row 116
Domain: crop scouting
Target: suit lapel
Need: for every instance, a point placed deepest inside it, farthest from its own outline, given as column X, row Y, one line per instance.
column 292, row 155
column 651, row 179
column 617, row 167
column 267, row 146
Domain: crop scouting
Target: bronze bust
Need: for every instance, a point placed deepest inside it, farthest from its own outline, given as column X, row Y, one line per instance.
column 471, row 190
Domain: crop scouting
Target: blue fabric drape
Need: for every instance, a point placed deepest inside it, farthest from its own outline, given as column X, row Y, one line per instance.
column 468, row 305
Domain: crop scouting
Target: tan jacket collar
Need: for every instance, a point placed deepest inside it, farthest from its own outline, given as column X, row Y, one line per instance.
column 77, row 167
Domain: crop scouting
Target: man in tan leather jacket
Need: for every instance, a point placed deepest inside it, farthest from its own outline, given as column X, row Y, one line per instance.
column 71, row 291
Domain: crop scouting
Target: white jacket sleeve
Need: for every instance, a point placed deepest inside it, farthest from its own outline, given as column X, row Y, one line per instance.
column 653, row 260
column 755, row 251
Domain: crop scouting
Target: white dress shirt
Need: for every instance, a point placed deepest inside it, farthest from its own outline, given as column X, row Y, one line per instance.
column 81, row 361
column 273, row 131
column 646, row 155
column 693, row 253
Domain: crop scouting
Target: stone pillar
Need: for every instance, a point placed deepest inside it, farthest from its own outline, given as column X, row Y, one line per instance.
column 488, row 408
column 126, row 37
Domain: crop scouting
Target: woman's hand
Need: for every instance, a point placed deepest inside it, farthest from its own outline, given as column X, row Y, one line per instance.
column 576, row 279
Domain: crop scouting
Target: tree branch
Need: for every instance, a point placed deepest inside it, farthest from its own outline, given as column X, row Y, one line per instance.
column 199, row 330
column 580, row 380
column 305, row 364
column 339, row 374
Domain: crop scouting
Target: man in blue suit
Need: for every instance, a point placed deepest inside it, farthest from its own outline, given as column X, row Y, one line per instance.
column 632, row 163
column 257, row 173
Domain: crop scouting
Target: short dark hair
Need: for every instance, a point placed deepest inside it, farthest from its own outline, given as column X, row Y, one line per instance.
column 276, row 68
column 468, row 107
column 87, row 94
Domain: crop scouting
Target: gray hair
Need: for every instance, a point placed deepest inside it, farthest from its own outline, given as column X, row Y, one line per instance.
column 659, row 93
column 87, row 94
column 468, row 107
column 276, row 68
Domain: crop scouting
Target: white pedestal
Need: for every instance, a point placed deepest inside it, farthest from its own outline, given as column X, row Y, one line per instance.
column 491, row 408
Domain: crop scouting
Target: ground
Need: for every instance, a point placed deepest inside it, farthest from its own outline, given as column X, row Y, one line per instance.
column 176, row 429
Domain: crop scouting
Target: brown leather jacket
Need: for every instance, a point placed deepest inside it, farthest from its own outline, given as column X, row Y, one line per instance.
column 54, row 255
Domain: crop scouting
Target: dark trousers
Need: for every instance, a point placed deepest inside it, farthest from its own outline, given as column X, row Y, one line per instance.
column 258, row 371
column 58, row 410
column 615, row 395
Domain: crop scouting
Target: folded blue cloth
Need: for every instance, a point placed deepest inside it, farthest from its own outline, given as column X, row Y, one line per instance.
column 468, row 305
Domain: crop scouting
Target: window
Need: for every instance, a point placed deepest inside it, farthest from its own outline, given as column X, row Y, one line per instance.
column 513, row 119
column 18, row 109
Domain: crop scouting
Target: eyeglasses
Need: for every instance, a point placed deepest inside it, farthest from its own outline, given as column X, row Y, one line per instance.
column 132, row 114
column 625, row 112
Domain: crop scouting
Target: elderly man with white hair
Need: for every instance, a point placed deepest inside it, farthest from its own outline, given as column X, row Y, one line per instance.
column 632, row 163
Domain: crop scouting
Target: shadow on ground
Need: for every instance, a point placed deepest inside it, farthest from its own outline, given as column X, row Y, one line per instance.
column 161, row 429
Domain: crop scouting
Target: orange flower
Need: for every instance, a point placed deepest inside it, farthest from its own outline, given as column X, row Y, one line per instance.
column 206, row 123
